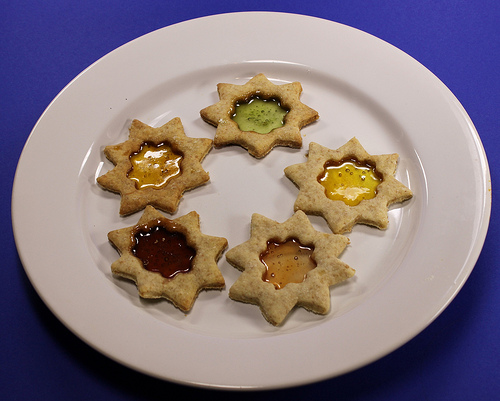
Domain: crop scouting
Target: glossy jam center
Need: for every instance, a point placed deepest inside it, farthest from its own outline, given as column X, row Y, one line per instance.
column 154, row 165
column 259, row 115
column 350, row 181
column 287, row 262
column 163, row 251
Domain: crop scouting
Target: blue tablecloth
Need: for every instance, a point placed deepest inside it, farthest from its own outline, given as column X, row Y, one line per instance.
column 45, row 44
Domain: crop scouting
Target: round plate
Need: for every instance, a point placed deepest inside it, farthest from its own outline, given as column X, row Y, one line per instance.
column 361, row 86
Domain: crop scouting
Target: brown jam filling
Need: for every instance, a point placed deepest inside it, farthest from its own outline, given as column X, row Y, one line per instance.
column 286, row 262
column 350, row 180
column 154, row 165
column 163, row 250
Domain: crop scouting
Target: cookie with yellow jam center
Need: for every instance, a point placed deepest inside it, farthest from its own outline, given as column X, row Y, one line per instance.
column 346, row 200
column 349, row 181
column 155, row 166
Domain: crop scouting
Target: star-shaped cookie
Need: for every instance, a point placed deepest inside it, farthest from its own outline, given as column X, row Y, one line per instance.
column 182, row 288
column 313, row 293
column 166, row 197
column 257, row 144
column 341, row 217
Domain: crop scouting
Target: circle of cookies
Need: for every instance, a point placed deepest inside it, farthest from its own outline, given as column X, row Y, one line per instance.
column 313, row 293
column 182, row 289
column 275, row 302
column 258, row 145
column 339, row 216
column 166, row 198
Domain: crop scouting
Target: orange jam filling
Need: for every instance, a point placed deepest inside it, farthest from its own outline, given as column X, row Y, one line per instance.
column 154, row 165
column 286, row 262
column 350, row 181
column 163, row 251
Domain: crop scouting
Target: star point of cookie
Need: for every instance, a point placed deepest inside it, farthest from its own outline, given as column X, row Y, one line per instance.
column 182, row 288
column 191, row 151
column 313, row 293
column 258, row 144
column 340, row 216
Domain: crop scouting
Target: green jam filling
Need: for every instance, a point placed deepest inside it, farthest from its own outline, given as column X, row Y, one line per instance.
column 259, row 115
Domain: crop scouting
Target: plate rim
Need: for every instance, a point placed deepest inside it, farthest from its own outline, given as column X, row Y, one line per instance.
column 474, row 255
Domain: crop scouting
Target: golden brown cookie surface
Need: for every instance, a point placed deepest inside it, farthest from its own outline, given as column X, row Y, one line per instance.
column 187, row 263
column 258, row 144
column 189, row 152
column 313, row 292
column 340, row 216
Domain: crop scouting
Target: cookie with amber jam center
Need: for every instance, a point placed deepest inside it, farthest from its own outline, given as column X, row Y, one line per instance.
column 288, row 264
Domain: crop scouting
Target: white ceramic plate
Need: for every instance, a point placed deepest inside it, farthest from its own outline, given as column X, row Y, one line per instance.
column 361, row 87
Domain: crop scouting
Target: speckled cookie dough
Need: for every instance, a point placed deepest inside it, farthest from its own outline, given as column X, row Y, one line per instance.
column 176, row 170
column 276, row 298
column 169, row 259
column 296, row 115
column 340, row 216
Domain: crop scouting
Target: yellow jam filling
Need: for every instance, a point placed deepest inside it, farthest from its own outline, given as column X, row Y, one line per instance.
column 154, row 165
column 259, row 115
column 350, row 181
column 287, row 262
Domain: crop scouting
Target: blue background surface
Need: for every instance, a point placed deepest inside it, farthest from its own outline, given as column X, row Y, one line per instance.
column 45, row 44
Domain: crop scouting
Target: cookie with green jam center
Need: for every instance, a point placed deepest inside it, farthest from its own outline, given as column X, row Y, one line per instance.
column 259, row 115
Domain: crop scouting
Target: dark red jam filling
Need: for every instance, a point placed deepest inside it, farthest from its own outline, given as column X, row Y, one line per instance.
column 163, row 251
